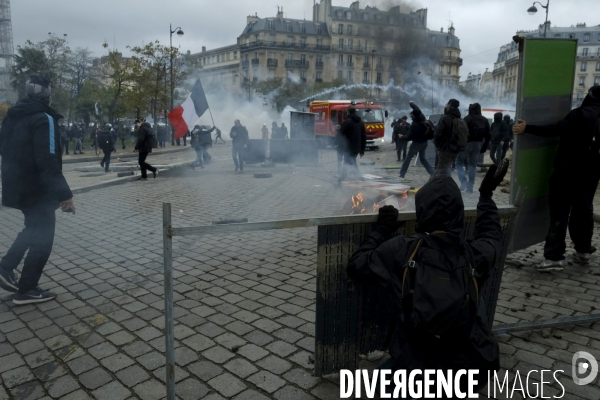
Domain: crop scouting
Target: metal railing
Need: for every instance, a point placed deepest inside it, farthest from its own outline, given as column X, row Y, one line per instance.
column 296, row 63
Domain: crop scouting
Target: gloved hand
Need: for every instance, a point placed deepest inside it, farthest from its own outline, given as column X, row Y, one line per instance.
column 493, row 178
column 483, row 149
column 387, row 221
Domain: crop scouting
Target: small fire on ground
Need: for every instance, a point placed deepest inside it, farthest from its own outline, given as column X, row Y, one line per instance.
column 359, row 206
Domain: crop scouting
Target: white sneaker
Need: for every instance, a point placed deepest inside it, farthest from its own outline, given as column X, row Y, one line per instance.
column 582, row 258
column 549, row 265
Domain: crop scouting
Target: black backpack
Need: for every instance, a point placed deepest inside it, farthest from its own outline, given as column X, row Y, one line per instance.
column 439, row 300
column 430, row 132
column 104, row 140
column 151, row 138
column 460, row 135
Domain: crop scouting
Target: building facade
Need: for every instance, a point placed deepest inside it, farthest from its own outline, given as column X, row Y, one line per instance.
column 359, row 46
column 587, row 69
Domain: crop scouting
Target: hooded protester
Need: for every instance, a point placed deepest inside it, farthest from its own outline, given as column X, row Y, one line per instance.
column 500, row 134
column 418, row 135
column 477, row 143
column 507, row 143
column 444, row 139
column 77, row 136
column 283, row 131
column 354, row 136
column 400, row 135
column 577, row 163
column 239, row 138
column 107, row 144
column 201, row 141
column 32, row 182
column 274, row 131
column 144, row 147
column 445, row 331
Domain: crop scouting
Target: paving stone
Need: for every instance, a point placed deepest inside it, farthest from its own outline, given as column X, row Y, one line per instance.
column 95, row 378
column 120, row 338
column 184, row 356
column 58, row 342
column 307, row 344
column 5, row 349
column 191, row 389
column 148, row 333
column 211, row 330
column 301, row 378
column 302, row 358
column 82, row 364
column 230, row 341
column 258, row 338
column 49, row 371
column 240, row 367
column 112, row 391
column 281, row 348
column 78, row 395
column 288, row 335
column 10, row 361
column 218, row 354
column 61, row 386
column 29, row 346
column 108, row 328
column 17, row 376
column 137, row 349
column 102, row 350
column 227, row 385
column 267, row 381
column 134, row 324
column 205, row 370
column 274, row 364
column 161, row 374
column 291, row 393
column 151, row 361
column 40, row 358
column 198, row 342
column 116, row 362
column 252, row 352
column 326, row 391
column 150, row 390
column 132, row 376
column 250, row 395
column 27, row 391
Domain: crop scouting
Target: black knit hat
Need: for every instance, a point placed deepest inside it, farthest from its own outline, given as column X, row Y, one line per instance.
column 453, row 103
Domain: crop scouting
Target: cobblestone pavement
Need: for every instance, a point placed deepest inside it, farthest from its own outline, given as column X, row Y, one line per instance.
column 244, row 303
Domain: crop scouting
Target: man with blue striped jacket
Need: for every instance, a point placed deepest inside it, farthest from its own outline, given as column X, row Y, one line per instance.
column 32, row 182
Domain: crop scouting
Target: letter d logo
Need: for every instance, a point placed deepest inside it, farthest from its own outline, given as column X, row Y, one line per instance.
column 584, row 363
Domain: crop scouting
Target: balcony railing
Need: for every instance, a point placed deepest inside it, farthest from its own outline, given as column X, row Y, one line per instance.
column 245, row 64
column 366, row 65
column 452, row 60
column 272, row 44
column 272, row 62
column 379, row 82
column 588, row 55
column 319, row 64
column 366, row 81
column 296, row 63
column 341, row 64
column 319, row 80
column 255, row 62
column 350, row 64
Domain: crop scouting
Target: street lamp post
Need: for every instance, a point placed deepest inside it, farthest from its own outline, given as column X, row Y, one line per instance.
column 532, row 10
column 179, row 33
column 372, row 72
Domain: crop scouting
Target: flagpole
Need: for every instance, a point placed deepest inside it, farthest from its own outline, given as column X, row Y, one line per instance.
column 211, row 117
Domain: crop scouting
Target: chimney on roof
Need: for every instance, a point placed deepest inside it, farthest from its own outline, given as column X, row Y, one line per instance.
column 451, row 29
column 251, row 18
column 442, row 30
column 355, row 5
column 280, row 13
column 581, row 25
column 204, row 49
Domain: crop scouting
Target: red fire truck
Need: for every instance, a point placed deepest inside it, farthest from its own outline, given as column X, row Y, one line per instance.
column 332, row 113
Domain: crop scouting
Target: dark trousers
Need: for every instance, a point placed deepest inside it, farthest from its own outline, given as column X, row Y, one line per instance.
column 184, row 141
column 217, row 139
column 65, row 145
column 123, row 143
column 38, row 238
column 349, row 166
column 161, row 143
column 106, row 159
column 198, row 161
column 496, row 152
column 505, row 148
column 238, row 157
column 571, row 208
column 205, row 156
column 401, row 146
column 413, row 150
column 468, row 156
column 144, row 166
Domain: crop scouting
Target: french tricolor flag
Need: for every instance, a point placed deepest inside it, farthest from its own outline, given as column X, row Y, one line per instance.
column 184, row 117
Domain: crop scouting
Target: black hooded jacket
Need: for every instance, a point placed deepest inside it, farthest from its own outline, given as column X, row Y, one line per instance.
column 443, row 131
column 379, row 261
column 32, row 157
column 353, row 130
column 479, row 126
column 500, row 130
column 576, row 132
column 418, row 130
column 143, row 144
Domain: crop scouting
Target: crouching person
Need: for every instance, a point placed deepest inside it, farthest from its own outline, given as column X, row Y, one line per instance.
column 435, row 278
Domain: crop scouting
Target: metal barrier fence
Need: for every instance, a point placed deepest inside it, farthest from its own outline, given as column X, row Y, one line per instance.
column 344, row 329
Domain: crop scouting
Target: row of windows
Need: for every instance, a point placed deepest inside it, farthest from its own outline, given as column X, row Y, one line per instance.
column 219, row 58
column 289, row 26
column 583, row 66
column 585, row 52
column 587, row 37
column 390, row 19
column 582, row 80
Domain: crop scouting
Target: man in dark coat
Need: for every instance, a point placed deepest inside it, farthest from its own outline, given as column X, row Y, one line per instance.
column 32, row 182
column 507, row 143
column 64, row 138
column 200, row 142
column 283, row 131
column 500, row 134
column 417, row 135
column 144, row 147
column 477, row 143
column 400, row 136
column 239, row 137
column 77, row 136
column 354, row 139
column 107, row 144
column 444, row 136
column 576, row 165
column 381, row 261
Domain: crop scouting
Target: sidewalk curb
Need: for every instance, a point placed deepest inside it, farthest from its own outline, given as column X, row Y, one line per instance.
column 120, row 181
column 124, row 155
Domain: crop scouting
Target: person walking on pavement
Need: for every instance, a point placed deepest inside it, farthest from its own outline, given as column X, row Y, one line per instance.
column 64, row 138
column 500, row 134
column 477, row 143
column 32, row 182
column 576, row 164
column 418, row 135
column 123, row 135
column 144, row 147
column 200, row 141
column 106, row 143
column 161, row 135
column 218, row 136
column 239, row 137
column 509, row 138
column 274, row 130
column 77, row 135
column 447, row 135
column 354, row 136
column 283, row 131
column 401, row 132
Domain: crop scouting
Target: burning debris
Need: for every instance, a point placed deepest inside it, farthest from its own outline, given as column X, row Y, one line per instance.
column 359, row 206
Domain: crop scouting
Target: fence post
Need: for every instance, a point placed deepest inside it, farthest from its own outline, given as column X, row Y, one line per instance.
column 168, row 276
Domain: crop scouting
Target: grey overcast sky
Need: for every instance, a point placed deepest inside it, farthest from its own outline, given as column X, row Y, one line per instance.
column 482, row 25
